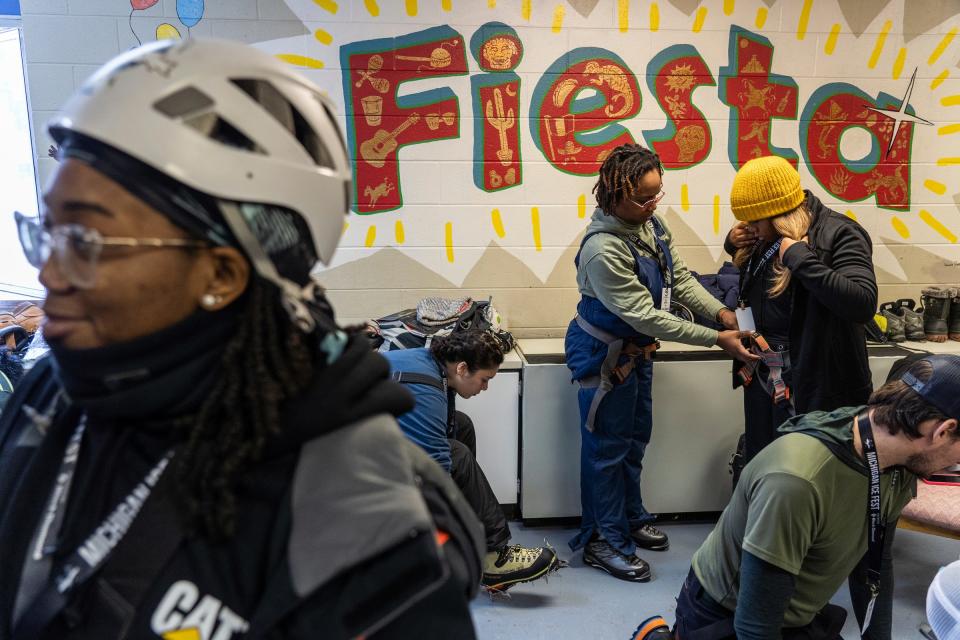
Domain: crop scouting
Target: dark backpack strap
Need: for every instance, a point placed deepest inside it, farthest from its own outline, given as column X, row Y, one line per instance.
column 633, row 250
column 409, row 377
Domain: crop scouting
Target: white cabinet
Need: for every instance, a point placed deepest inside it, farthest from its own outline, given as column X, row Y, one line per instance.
column 495, row 414
column 697, row 418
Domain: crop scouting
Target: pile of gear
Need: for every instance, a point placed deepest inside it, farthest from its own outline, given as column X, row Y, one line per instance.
column 936, row 320
column 415, row 328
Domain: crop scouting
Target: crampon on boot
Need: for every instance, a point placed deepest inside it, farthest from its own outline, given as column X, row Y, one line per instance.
column 514, row 564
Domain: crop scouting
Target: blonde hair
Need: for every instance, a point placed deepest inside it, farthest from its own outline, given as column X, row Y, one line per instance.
column 792, row 224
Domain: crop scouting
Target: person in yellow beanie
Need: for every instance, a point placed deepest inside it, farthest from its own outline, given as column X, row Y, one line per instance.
column 807, row 286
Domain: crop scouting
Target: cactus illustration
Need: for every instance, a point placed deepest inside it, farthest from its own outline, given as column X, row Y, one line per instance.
column 501, row 123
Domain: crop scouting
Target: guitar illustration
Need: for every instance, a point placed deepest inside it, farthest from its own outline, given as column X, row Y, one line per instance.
column 375, row 150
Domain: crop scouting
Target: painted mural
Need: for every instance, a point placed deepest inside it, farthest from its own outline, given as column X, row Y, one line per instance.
column 480, row 122
column 189, row 13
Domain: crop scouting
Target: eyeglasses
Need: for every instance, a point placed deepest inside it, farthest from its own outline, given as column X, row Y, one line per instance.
column 77, row 248
column 649, row 203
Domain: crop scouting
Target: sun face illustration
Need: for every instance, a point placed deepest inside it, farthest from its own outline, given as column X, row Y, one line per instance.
column 681, row 78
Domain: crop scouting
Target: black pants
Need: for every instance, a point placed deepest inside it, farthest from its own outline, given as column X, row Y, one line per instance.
column 468, row 476
column 700, row 617
column 761, row 416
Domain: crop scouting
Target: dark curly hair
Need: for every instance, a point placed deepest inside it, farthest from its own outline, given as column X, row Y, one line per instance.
column 479, row 349
column 621, row 172
column 266, row 362
column 897, row 406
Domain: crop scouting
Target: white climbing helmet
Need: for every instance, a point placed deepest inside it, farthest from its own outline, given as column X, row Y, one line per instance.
column 943, row 602
column 227, row 120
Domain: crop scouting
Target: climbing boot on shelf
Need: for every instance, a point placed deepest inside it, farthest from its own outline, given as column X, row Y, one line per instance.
column 895, row 325
column 936, row 313
column 913, row 319
column 954, row 317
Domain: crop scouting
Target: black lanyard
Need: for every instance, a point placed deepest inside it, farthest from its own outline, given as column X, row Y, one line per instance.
column 749, row 275
column 876, row 523
column 94, row 551
column 658, row 253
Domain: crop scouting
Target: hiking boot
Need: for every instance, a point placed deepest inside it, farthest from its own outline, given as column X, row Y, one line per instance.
column 895, row 324
column 936, row 313
column 912, row 319
column 649, row 537
column 601, row 555
column 653, row 628
column 953, row 324
column 515, row 564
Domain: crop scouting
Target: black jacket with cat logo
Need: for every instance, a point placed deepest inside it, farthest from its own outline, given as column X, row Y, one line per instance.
column 336, row 535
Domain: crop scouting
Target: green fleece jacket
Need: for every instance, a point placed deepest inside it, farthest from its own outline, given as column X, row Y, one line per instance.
column 607, row 273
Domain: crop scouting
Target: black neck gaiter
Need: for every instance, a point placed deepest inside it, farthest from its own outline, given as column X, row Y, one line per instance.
column 161, row 376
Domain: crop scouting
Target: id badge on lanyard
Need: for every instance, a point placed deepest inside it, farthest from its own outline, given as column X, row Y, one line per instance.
column 665, row 297
column 876, row 524
column 666, row 275
column 745, row 319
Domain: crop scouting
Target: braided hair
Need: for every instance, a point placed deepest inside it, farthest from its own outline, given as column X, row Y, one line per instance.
column 621, row 173
column 267, row 361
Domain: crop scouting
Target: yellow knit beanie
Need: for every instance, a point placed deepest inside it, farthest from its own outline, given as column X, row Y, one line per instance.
column 765, row 187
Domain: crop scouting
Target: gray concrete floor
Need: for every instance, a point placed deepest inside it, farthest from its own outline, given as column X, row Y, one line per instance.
column 583, row 602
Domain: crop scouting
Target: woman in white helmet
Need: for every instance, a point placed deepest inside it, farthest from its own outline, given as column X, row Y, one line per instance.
column 206, row 454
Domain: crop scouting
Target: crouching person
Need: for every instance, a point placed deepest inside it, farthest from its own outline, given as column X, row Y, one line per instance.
column 463, row 364
column 816, row 507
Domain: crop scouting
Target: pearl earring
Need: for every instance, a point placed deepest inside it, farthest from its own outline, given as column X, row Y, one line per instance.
column 209, row 300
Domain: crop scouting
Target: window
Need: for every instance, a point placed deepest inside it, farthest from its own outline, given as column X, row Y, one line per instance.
column 18, row 187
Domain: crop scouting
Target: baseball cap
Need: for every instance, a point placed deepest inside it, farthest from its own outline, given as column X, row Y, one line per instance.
column 942, row 389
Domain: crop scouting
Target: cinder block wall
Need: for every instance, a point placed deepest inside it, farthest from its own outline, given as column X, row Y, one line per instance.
column 708, row 84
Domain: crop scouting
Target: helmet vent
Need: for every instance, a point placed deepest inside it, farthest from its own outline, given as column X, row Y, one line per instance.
column 288, row 116
column 184, row 103
column 224, row 133
column 194, row 108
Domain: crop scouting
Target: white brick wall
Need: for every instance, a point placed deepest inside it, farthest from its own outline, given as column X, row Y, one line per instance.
column 65, row 40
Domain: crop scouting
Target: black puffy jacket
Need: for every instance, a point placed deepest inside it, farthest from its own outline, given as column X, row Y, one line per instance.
column 336, row 536
column 834, row 293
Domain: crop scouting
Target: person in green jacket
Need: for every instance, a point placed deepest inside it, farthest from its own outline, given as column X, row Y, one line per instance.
column 628, row 271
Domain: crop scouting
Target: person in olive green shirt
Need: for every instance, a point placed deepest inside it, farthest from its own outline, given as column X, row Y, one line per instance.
column 797, row 525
